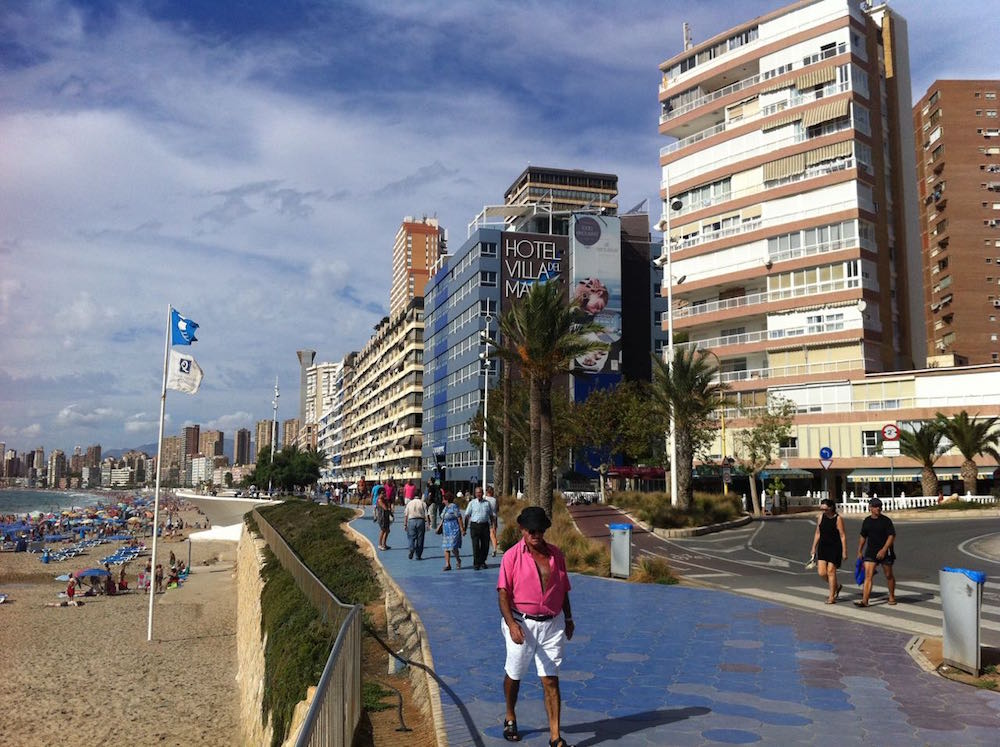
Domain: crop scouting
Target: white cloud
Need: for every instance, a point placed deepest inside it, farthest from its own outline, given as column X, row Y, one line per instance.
column 73, row 415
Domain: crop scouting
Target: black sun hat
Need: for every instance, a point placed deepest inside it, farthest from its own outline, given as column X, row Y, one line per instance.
column 533, row 519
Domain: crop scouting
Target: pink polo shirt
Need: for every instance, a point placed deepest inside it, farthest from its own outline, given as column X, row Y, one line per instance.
column 519, row 576
column 409, row 490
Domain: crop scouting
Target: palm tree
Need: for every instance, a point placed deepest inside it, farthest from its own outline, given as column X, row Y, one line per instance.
column 543, row 334
column 972, row 437
column 691, row 390
column 923, row 445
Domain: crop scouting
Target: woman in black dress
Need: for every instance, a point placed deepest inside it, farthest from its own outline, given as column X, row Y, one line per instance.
column 829, row 547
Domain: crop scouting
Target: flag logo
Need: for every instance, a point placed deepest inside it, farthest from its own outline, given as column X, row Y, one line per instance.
column 184, row 373
column 181, row 329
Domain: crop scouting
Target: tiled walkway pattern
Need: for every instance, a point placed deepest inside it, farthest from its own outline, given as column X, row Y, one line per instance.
column 670, row 665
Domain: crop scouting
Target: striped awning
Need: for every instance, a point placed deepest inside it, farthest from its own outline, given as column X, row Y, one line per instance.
column 826, row 112
column 780, row 121
column 815, row 78
column 908, row 474
column 784, row 167
column 828, row 153
column 775, row 85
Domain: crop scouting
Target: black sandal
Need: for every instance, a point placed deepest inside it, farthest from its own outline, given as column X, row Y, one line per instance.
column 559, row 742
column 510, row 732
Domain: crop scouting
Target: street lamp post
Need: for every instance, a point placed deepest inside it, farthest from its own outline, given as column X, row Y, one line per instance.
column 664, row 260
column 485, row 356
column 274, row 435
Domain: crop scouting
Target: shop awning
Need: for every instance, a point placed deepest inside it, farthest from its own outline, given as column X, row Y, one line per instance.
column 642, row 473
column 910, row 474
column 790, row 474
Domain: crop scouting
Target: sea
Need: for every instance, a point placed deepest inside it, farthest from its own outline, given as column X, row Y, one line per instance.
column 22, row 501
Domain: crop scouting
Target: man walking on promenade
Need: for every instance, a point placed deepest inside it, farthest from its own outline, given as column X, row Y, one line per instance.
column 533, row 592
column 434, row 501
column 478, row 519
column 878, row 536
column 415, row 524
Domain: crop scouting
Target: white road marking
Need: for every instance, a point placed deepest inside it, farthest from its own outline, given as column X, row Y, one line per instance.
column 962, row 548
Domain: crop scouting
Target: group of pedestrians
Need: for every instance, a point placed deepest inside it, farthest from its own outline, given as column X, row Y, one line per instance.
column 875, row 548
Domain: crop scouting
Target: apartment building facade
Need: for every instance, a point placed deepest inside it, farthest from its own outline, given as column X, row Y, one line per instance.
column 382, row 401
column 793, row 234
column 957, row 136
column 792, row 231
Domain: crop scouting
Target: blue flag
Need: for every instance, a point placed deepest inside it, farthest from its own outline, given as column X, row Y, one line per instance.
column 181, row 329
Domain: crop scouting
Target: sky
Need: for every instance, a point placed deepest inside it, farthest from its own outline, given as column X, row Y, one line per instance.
column 250, row 162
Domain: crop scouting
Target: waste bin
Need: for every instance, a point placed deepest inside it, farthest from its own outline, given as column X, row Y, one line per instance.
column 621, row 550
column 961, row 608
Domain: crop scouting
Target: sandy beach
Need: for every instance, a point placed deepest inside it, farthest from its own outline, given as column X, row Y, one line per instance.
column 87, row 675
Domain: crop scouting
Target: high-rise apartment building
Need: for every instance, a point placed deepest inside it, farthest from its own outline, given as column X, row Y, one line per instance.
column 958, row 169
column 93, row 458
column 789, row 198
column 264, row 435
column 290, row 432
column 57, row 467
column 241, row 448
column 192, row 439
column 210, row 443
column 418, row 245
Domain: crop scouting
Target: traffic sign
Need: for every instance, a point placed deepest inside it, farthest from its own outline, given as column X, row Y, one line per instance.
column 890, row 432
column 826, row 453
column 825, row 463
column 890, row 448
column 727, row 475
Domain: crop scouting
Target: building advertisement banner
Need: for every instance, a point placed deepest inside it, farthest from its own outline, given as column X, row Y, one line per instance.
column 596, row 283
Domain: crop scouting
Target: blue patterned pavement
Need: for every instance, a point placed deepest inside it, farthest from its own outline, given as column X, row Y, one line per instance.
column 671, row 665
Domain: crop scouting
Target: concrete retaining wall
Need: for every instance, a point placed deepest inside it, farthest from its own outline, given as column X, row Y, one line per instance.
column 249, row 643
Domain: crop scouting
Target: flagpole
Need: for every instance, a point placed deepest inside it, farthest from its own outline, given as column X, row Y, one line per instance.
column 159, row 470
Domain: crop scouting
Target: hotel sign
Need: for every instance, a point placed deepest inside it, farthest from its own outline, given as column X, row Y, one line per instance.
column 529, row 258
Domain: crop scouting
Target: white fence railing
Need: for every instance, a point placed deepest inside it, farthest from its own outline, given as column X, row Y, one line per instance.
column 860, row 506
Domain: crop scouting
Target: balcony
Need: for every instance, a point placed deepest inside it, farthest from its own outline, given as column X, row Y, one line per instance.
column 758, row 299
column 765, row 335
column 803, row 369
column 748, row 82
column 767, row 111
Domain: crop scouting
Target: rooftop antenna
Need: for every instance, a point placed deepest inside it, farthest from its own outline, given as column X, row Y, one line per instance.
column 687, row 36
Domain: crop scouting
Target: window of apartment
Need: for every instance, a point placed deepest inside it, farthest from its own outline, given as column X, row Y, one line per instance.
column 995, row 357
column 977, row 94
column 991, row 112
column 934, row 98
column 979, row 112
column 991, row 94
column 871, row 443
column 488, row 249
column 488, row 279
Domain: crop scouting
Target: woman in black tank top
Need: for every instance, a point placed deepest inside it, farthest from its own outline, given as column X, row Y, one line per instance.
column 829, row 547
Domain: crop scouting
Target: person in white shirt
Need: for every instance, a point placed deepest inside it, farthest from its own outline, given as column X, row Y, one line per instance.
column 415, row 525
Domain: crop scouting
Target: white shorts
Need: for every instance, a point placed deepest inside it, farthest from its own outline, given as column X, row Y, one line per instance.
column 544, row 642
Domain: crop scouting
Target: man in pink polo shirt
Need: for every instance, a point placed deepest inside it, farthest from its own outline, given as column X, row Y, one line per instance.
column 533, row 591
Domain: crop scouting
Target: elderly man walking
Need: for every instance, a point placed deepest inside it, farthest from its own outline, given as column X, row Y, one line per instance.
column 533, row 593
column 478, row 520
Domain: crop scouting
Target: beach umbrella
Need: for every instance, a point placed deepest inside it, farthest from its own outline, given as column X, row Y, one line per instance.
column 92, row 572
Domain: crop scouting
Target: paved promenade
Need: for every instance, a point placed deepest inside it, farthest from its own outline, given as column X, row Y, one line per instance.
column 672, row 665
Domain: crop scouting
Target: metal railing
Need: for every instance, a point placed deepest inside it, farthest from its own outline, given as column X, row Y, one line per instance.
column 335, row 711
column 767, row 297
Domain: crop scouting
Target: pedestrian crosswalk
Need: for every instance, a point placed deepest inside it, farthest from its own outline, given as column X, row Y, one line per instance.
column 918, row 611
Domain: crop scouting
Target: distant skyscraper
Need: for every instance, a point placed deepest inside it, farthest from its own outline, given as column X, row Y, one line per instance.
column 263, row 436
column 93, row 458
column 210, row 443
column 291, row 432
column 418, row 245
column 241, row 447
column 306, row 358
column 958, row 181
column 192, row 435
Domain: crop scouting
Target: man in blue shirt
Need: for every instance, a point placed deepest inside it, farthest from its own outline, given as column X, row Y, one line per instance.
column 478, row 518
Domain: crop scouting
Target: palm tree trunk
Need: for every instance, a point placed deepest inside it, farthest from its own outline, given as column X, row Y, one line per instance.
column 504, row 488
column 683, row 467
column 545, row 446
column 969, row 473
column 928, row 481
column 534, row 443
column 754, row 496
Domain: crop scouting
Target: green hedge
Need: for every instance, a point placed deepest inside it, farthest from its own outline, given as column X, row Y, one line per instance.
column 298, row 642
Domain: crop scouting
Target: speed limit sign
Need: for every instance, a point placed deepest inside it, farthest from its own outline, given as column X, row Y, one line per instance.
column 890, row 432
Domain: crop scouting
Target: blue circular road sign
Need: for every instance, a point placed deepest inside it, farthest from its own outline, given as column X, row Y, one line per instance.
column 826, row 453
